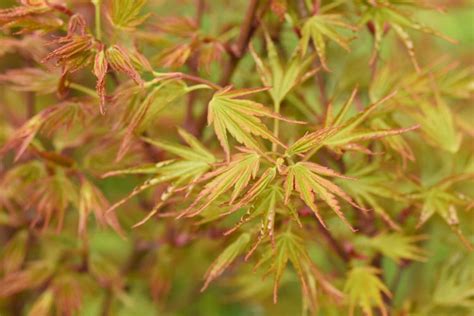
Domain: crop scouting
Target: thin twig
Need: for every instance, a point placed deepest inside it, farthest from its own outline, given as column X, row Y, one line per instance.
column 180, row 75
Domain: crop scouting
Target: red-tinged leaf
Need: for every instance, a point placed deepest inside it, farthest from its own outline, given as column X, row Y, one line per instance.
column 32, row 277
column 303, row 178
column 311, row 141
column 77, row 25
column 43, row 304
column 31, row 79
column 74, row 52
column 260, row 185
column 362, row 135
column 100, row 71
column 145, row 112
column 14, row 252
column 48, row 120
column 51, row 200
column 174, row 57
column 279, row 7
column 120, row 60
column 325, row 171
column 91, row 199
column 177, row 25
column 68, row 293
column 236, row 175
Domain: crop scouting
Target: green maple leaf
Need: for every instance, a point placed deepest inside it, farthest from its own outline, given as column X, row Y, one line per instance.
column 350, row 132
column 396, row 246
column 125, row 14
column 340, row 134
column 320, row 28
column 393, row 13
column 441, row 199
column 372, row 186
column 240, row 118
column 431, row 116
column 290, row 248
column 279, row 77
column 364, row 288
column 195, row 160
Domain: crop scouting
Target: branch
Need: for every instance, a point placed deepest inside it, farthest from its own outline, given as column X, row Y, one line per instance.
column 184, row 76
column 200, row 8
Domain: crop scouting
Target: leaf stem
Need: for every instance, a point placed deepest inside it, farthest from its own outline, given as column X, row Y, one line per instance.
column 98, row 30
column 180, row 75
column 276, row 123
column 83, row 89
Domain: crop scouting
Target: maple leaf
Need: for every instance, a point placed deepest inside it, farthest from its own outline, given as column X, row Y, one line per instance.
column 396, row 246
column 125, row 14
column 431, row 116
column 365, row 289
column 443, row 200
column 240, row 118
column 195, row 161
column 33, row 276
column 321, row 27
column 31, row 16
column 121, row 60
column 143, row 112
column 14, row 252
column 48, row 120
column 100, row 70
column 31, row 79
column 348, row 132
column 281, row 78
column 236, row 175
column 339, row 134
column 77, row 49
column 454, row 288
column 91, row 199
column 54, row 195
column 306, row 178
column 290, row 247
column 372, row 185
column 264, row 198
column 382, row 13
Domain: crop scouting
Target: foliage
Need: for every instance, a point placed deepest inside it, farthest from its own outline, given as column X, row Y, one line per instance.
column 285, row 157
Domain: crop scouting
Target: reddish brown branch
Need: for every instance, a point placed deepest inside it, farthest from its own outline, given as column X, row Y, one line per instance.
column 200, row 8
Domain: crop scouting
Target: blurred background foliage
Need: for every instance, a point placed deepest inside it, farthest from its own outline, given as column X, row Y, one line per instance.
column 158, row 268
